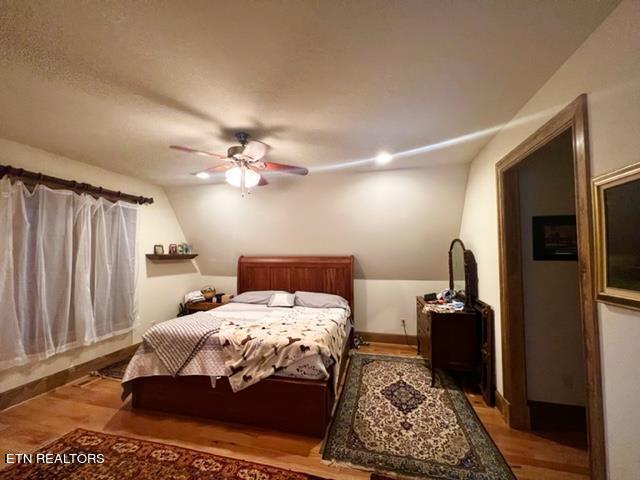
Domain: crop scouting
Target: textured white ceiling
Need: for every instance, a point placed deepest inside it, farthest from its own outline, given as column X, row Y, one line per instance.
column 323, row 82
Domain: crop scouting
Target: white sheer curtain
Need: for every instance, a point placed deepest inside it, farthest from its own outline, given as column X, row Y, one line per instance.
column 67, row 271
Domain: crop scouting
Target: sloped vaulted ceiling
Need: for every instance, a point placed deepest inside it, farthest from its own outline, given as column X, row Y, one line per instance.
column 323, row 82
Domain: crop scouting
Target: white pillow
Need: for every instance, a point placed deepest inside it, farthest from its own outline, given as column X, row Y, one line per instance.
column 282, row 300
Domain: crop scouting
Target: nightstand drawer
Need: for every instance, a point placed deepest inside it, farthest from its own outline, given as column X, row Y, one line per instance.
column 201, row 306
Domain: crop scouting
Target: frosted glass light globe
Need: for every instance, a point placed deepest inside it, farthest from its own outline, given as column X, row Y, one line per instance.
column 234, row 177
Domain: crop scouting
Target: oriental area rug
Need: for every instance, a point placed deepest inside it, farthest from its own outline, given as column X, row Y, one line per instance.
column 390, row 420
column 87, row 455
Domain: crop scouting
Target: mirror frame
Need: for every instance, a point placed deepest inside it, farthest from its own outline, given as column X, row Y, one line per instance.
column 470, row 273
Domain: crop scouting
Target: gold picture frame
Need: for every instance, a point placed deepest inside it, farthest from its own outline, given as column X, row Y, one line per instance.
column 616, row 202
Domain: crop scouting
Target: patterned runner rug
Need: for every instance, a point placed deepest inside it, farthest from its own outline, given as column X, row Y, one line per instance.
column 389, row 419
column 127, row 458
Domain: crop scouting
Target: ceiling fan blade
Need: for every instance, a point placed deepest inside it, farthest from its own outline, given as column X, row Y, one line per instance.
column 218, row 168
column 197, row 152
column 280, row 167
column 255, row 150
column 211, row 170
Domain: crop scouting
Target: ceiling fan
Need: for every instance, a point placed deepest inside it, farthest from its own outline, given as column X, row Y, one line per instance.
column 244, row 163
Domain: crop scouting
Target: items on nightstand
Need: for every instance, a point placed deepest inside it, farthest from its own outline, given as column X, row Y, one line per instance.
column 208, row 293
column 202, row 300
column 444, row 307
column 195, row 296
column 223, row 297
column 446, row 295
column 457, row 306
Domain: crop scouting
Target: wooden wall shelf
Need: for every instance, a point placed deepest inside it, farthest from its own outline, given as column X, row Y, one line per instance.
column 171, row 256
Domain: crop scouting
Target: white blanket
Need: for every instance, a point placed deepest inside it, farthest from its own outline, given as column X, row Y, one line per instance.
column 258, row 349
column 209, row 360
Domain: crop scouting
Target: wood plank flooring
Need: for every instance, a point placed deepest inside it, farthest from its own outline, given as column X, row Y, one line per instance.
column 94, row 403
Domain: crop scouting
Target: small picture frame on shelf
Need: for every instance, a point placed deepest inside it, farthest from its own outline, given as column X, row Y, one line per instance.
column 187, row 248
column 158, row 249
column 173, row 249
column 180, row 250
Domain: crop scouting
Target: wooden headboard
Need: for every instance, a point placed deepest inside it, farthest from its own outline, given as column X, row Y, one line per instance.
column 311, row 274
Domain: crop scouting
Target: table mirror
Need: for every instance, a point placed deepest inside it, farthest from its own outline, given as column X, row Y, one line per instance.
column 463, row 273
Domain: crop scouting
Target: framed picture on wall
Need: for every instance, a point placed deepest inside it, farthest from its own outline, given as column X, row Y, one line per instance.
column 616, row 198
column 555, row 237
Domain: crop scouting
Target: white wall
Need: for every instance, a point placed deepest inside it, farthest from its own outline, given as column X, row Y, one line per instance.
column 160, row 286
column 553, row 332
column 607, row 68
column 397, row 223
column 380, row 305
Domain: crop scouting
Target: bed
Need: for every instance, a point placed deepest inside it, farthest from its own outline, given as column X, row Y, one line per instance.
column 283, row 402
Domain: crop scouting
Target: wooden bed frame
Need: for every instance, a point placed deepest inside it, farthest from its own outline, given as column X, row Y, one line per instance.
column 285, row 404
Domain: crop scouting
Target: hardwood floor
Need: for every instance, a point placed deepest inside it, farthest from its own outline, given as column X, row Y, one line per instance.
column 94, row 403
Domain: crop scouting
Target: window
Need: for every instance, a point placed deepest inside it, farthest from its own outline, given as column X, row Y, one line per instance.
column 67, row 271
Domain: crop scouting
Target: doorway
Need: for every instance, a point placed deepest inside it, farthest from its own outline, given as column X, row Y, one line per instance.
column 570, row 124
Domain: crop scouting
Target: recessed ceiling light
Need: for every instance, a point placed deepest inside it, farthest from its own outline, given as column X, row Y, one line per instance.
column 383, row 157
column 202, row 175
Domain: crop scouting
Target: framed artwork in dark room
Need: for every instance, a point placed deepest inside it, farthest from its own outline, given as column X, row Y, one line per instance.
column 555, row 237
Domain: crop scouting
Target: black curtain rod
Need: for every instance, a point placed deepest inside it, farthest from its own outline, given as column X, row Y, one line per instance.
column 33, row 178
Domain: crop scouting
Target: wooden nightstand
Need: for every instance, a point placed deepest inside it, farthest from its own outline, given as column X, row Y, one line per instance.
column 201, row 306
column 449, row 339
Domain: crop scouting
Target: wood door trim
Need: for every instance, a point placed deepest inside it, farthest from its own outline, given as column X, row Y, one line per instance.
column 503, row 406
column 512, row 299
column 574, row 117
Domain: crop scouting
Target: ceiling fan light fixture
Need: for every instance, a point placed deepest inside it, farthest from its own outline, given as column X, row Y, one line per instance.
column 233, row 177
column 244, row 164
